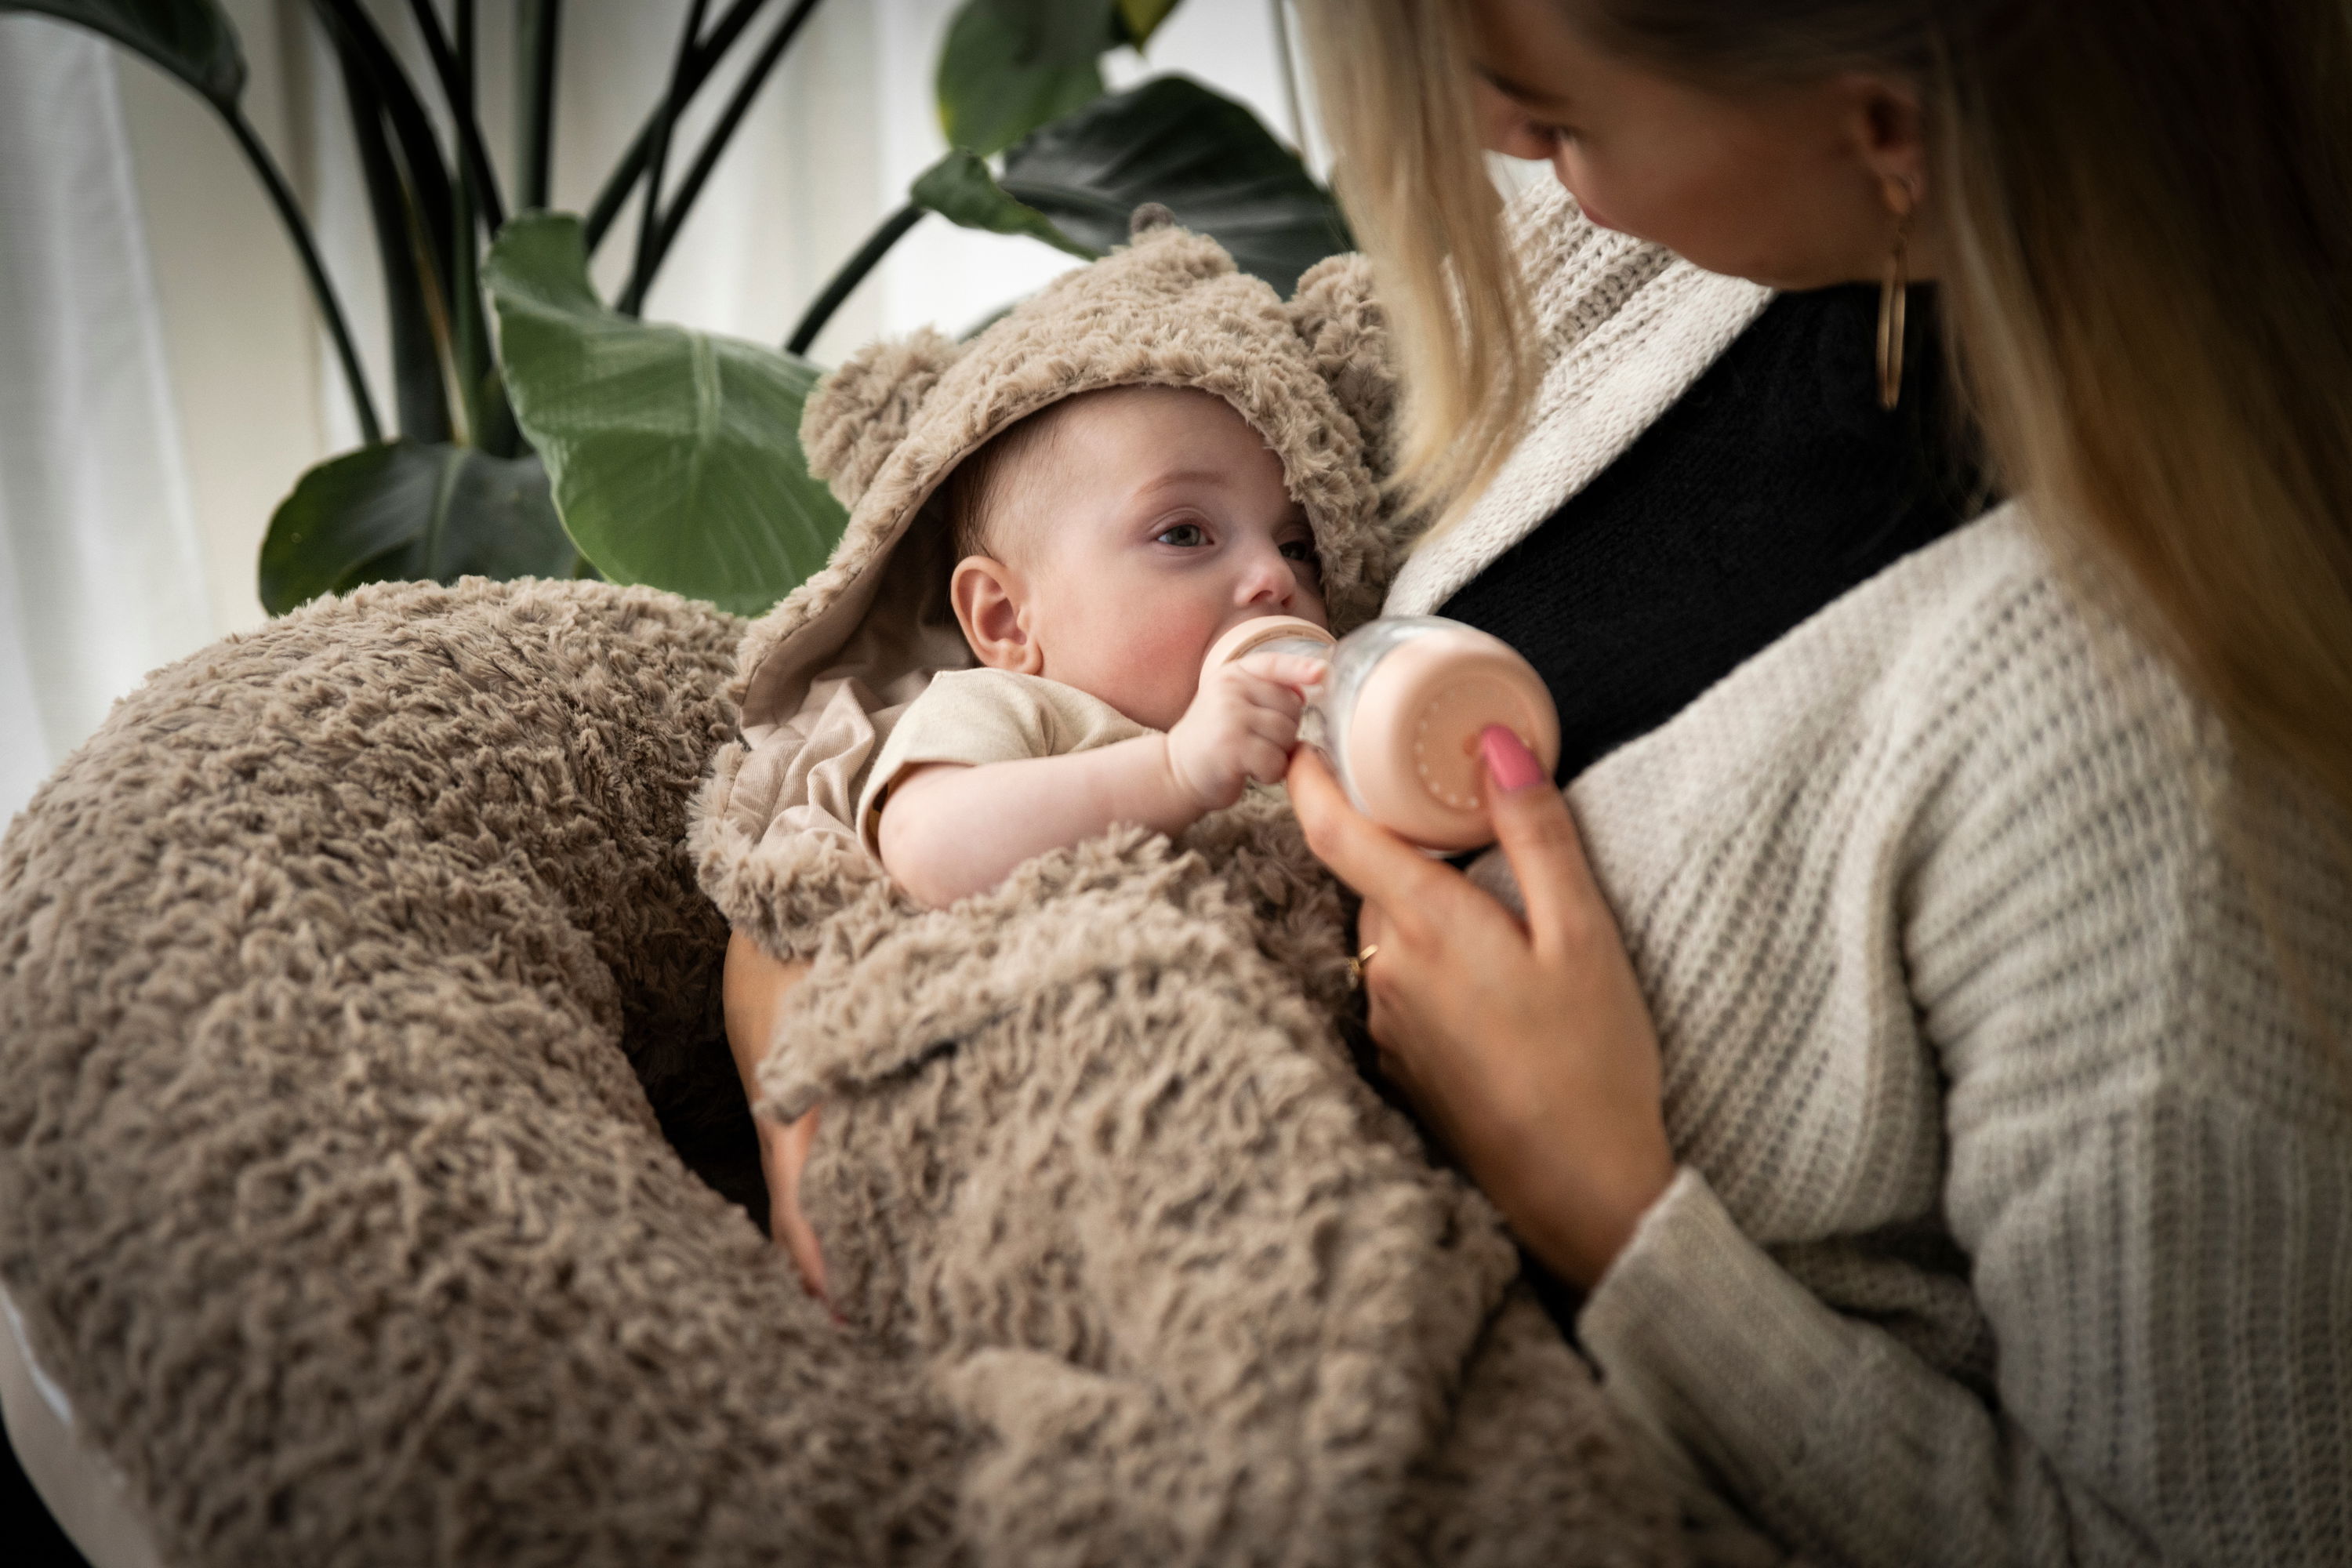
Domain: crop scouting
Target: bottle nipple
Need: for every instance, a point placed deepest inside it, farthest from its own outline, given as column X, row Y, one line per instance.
column 1269, row 634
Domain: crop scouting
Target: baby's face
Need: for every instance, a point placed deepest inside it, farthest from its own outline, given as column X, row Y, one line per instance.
column 1158, row 520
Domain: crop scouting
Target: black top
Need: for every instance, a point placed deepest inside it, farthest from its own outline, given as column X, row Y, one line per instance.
column 1774, row 485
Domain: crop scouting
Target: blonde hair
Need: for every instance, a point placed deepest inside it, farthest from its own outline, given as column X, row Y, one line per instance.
column 1393, row 80
column 2145, row 215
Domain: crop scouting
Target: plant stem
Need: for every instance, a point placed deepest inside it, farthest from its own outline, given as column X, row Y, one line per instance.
column 289, row 212
column 853, row 272
column 471, row 348
column 424, row 230
column 421, row 402
column 641, row 271
column 457, row 91
column 537, row 26
column 356, row 39
column 623, row 177
column 754, row 78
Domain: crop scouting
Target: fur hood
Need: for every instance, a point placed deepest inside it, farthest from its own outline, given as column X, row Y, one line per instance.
column 1311, row 376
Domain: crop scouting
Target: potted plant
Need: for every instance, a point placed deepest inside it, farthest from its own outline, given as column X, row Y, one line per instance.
column 577, row 439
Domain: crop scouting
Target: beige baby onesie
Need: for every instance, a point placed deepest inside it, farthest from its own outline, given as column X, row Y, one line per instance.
column 975, row 716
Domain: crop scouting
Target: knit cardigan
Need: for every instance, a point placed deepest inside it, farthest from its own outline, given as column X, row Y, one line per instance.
column 2009, row 1082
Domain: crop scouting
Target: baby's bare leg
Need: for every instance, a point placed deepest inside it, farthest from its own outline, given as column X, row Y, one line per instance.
column 754, row 993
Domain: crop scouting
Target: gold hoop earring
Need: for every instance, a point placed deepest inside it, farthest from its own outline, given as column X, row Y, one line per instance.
column 1894, row 296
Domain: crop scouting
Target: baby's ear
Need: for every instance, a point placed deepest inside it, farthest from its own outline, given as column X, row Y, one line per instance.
column 1347, row 338
column 859, row 414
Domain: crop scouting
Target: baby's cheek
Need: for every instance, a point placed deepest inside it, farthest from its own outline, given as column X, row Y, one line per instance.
column 1163, row 672
column 1172, row 674
column 1140, row 655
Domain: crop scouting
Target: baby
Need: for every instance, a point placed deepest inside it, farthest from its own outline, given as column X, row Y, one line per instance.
column 1104, row 543
column 1078, row 502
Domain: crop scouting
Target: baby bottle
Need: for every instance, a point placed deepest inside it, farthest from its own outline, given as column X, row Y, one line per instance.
column 1400, row 712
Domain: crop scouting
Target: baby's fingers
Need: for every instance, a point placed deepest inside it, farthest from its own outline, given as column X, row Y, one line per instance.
column 1265, row 761
column 1280, row 729
column 1295, row 672
column 1270, row 696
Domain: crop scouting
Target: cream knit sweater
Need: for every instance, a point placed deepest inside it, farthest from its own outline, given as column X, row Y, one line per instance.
column 2015, row 1215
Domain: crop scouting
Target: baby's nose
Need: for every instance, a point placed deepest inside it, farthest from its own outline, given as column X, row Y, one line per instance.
column 1268, row 579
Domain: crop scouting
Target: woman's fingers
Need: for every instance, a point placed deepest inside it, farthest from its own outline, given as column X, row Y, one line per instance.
column 1367, row 857
column 753, row 990
column 1375, row 931
column 786, row 1149
column 1540, row 838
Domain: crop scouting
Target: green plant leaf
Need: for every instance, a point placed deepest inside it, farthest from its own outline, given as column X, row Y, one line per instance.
column 960, row 188
column 1204, row 157
column 1138, row 19
column 1010, row 65
column 191, row 40
column 409, row 510
column 676, row 455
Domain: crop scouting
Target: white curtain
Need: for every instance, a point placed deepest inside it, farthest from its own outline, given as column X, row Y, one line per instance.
column 101, row 575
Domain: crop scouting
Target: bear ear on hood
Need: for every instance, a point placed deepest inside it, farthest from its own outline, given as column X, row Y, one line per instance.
column 1347, row 337
column 859, row 414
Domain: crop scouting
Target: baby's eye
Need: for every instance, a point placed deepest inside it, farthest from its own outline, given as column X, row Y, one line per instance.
column 1184, row 536
column 1303, row 552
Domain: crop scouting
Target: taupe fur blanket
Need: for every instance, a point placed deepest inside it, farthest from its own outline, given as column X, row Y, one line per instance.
column 1092, row 1152
column 328, row 1191
column 357, row 999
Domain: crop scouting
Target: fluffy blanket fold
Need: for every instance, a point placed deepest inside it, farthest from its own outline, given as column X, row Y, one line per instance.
column 348, row 979
column 1093, row 1152
column 327, row 1191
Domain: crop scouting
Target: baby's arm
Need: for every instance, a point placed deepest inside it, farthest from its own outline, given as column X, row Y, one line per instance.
column 950, row 830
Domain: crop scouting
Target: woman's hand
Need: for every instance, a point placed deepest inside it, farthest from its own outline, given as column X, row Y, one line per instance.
column 784, row 1151
column 753, row 989
column 1527, row 1047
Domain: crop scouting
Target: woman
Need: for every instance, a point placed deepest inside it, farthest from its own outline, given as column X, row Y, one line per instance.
column 1939, row 1072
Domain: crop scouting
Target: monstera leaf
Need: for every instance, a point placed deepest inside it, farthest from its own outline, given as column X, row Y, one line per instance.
column 1009, row 65
column 1203, row 156
column 960, row 188
column 408, row 509
column 191, row 40
column 674, row 454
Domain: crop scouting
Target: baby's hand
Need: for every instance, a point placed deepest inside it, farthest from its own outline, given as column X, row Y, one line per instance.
column 1241, row 726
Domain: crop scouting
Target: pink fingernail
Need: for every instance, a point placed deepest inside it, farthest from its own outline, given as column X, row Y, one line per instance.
column 1510, row 764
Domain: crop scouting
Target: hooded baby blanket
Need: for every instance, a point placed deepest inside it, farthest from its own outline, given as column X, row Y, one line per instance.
column 1095, row 1155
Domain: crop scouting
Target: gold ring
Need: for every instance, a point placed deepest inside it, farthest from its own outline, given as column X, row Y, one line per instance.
column 1355, row 964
